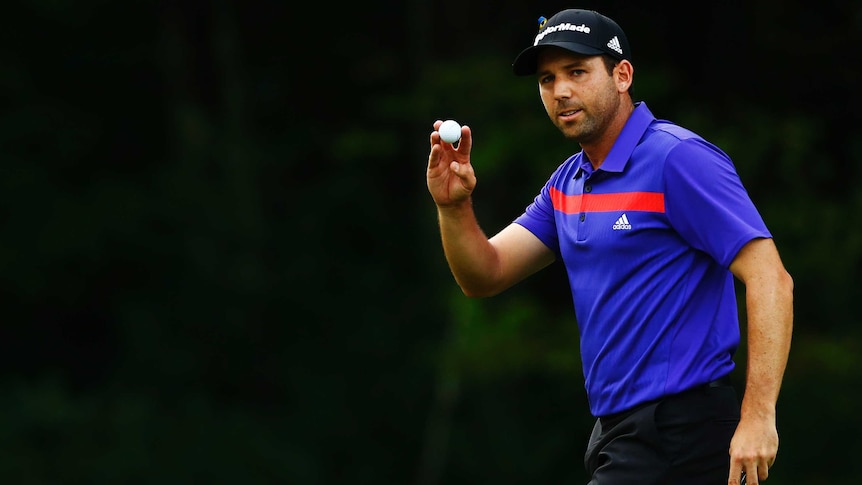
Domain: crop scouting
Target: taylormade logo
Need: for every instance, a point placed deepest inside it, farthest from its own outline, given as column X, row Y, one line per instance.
column 560, row 27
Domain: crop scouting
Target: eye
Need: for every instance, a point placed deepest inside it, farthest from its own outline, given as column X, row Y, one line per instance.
column 577, row 72
column 545, row 79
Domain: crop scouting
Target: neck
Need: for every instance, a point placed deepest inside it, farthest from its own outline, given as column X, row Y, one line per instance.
column 597, row 150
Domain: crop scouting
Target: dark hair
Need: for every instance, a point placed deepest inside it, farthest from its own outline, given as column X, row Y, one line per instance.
column 610, row 64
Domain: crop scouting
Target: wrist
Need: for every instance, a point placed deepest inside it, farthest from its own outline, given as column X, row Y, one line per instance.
column 752, row 409
column 456, row 208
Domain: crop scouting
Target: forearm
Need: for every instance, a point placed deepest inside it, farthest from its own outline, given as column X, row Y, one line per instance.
column 770, row 324
column 472, row 259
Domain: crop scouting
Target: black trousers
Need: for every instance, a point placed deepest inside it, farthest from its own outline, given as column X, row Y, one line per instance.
column 681, row 439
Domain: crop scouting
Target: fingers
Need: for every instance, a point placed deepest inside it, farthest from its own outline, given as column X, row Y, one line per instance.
column 435, row 135
column 450, row 176
column 750, row 474
column 753, row 449
column 735, row 473
column 755, row 475
column 440, row 150
column 463, row 145
column 463, row 171
column 437, row 148
column 434, row 155
column 760, row 470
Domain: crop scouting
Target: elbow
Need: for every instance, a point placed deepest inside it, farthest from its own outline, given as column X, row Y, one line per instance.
column 787, row 285
column 477, row 290
column 782, row 280
column 789, row 282
column 785, row 282
column 783, row 288
column 481, row 284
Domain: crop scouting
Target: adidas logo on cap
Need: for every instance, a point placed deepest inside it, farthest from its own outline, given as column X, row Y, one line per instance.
column 614, row 44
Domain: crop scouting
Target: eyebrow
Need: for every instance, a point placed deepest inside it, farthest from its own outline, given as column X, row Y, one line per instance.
column 568, row 66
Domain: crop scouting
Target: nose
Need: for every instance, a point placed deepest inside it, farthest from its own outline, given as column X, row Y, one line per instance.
column 562, row 90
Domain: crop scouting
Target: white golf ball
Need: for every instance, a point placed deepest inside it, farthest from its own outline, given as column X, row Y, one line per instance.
column 450, row 131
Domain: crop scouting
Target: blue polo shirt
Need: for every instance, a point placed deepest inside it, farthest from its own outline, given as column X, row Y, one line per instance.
column 647, row 240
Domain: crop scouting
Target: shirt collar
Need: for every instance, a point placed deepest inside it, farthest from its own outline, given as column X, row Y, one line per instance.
column 626, row 142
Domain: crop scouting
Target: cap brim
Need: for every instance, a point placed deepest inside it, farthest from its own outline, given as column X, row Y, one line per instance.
column 526, row 62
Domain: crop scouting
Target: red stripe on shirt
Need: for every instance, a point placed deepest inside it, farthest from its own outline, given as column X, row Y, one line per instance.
column 623, row 201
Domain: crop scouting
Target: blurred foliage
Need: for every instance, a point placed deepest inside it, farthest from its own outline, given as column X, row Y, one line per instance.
column 220, row 263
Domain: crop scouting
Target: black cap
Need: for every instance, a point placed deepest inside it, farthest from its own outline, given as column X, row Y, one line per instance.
column 582, row 31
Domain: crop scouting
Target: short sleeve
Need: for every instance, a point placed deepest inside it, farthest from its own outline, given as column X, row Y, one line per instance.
column 707, row 203
column 538, row 218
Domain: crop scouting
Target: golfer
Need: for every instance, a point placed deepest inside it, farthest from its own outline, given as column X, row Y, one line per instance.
column 653, row 226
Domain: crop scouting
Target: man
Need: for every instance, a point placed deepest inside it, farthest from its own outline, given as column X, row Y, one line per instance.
column 652, row 224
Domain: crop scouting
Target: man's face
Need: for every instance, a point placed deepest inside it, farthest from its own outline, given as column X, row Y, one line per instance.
column 579, row 94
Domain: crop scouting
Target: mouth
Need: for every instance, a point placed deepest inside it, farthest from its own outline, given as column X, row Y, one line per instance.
column 568, row 115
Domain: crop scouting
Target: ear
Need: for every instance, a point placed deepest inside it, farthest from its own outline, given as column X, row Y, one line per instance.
column 624, row 75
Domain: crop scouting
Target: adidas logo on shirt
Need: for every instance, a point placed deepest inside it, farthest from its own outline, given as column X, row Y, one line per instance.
column 622, row 224
column 615, row 45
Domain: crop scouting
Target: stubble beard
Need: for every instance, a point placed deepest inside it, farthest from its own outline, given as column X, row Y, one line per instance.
column 581, row 131
column 594, row 122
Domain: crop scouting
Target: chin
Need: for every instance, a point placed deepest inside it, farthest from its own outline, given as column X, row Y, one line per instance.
column 571, row 134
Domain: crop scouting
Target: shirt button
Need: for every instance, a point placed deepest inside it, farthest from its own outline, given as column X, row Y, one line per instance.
column 588, row 188
column 583, row 216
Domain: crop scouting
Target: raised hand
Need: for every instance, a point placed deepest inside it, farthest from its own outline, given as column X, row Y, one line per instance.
column 450, row 175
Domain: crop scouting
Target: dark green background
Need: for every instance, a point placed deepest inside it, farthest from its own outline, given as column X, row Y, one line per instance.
column 219, row 262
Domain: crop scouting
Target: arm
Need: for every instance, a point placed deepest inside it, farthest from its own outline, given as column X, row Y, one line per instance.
column 481, row 266
column 769, row 303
